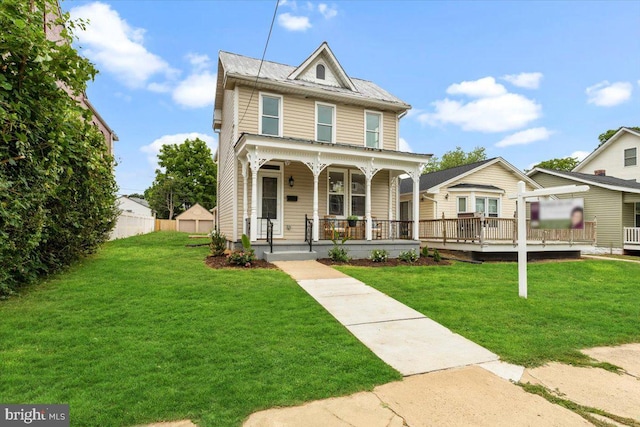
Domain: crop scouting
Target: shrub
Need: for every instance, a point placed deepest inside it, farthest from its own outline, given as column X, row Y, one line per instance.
column 425, row 251
column 242, row 258
column 218, row 243
column 436, row 256
column 410, row 256
column 379, row 255
column 338, row 254
column 246, row 243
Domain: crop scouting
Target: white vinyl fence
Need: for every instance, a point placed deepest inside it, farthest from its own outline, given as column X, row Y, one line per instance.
column 130, row 224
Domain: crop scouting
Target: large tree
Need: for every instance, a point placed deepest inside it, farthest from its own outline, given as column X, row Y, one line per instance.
column 604, row 137
column 57, row 190
column 561, row 164
column 453, row 158
column 187, row 175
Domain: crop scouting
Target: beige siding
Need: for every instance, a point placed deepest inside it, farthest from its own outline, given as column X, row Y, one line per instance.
column 389, row 131
column 628, row 215
column 604, row 204
column 226, row 166
column 247, row 116
column 611, row 159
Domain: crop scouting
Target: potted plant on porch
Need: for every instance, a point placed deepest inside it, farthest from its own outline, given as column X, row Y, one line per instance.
column 352, row 220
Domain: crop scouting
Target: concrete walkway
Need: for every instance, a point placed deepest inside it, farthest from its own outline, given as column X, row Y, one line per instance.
column 402, row 337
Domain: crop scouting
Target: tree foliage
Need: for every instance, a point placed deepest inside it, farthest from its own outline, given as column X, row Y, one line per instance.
column 187, row 175
column 604, row 137
column 562, row 164
column 453, row 158
column 57, row 190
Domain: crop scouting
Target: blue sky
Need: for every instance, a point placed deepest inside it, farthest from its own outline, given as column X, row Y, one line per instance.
column 527, row 80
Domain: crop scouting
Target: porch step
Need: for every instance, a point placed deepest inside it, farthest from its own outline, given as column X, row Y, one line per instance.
column 290, row 256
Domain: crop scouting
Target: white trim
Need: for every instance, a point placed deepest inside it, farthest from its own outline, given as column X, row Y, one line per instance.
column 324, row 47
column 234, row 203
column 351, row 194
column 280, row 112
column 346, row 182
column 585, row 181
column 280, row 175
column 380, row 131
column 624, row 157
column 602, row 147
column 333, row 120
column 466, row 204
column 478, row 189
column 486, row 205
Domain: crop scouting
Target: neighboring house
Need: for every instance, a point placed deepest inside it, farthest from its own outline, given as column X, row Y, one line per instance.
column 469, row 208
column 617, row 157
column 136, row 217
column 301, row 148
column 52, row 32
column 196, row 219
column 615, row 202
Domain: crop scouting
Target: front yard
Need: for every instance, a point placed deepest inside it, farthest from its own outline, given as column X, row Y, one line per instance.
column 571, row 305
column 144, row 332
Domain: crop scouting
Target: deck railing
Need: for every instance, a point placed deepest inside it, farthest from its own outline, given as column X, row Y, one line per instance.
column 482, row 230
column 381, row 229
column 632, row 235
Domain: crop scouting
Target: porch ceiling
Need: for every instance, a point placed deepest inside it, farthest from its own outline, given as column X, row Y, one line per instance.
column 268, row 148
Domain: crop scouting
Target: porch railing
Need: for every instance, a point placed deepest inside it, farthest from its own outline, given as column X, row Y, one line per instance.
column 381, row 229
column 483, row 230
column 270, row 234
column 632, row 235
column 308, row 231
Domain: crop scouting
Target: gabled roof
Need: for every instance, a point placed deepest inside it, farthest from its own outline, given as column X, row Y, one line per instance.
column 431, row 182
column 608, row 182
column 137, row 200
column 325, row 51
column 604, row 146
column 232, row 65
column 469, row 186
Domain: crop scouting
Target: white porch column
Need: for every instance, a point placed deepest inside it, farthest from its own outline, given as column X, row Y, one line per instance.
column 416, row 204
column 367, row 207
column 254, row 164
column 392, row 186
column 245, row 196
column 316, row 217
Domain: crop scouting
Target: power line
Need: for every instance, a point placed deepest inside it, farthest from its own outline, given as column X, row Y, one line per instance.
column 264, row 52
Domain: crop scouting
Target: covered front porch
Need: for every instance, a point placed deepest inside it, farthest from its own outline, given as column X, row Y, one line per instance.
column 294, row 191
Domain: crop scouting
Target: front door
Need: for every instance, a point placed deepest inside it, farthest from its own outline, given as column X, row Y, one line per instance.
column 269, row 202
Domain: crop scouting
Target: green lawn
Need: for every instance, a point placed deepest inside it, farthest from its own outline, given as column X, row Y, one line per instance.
column 571, row 305
column 145, row 332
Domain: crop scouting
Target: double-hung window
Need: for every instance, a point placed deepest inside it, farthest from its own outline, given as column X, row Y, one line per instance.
column 631, row 157
column 358, row 194
column 489, row 206
column 462, row 204
column 270, row 115
column 373, row 129
column 325, row 122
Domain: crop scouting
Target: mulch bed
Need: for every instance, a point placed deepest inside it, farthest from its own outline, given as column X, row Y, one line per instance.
column 219, row 262
column 391, row 262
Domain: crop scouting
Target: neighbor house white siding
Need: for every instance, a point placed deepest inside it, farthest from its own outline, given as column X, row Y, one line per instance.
column 611, row 159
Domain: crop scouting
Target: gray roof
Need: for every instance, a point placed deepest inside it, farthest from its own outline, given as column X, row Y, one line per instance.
column 432, row 179
column 139, row 201
column 244, row 66
column 597, row 179
column 480, row 186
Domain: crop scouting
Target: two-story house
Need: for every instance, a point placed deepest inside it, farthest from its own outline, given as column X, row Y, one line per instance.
column 612, row 171
column 307, row 153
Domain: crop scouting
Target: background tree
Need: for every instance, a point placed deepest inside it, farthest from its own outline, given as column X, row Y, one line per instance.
column 453, row 158
column 187, row 175
column 562, row 164
column 57, row 189
column 136, row 195
column 604, row 137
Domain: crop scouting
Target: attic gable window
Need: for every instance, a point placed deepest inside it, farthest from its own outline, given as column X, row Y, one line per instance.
column 630, row 157
column 320, row 72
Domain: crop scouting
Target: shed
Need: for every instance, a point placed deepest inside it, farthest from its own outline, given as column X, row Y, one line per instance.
column 196, row 219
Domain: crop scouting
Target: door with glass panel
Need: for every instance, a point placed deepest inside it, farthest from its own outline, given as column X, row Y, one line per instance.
column 269, row 203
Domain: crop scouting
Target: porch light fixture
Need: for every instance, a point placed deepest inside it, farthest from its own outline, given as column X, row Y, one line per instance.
column 291, row 181
column 446, row 196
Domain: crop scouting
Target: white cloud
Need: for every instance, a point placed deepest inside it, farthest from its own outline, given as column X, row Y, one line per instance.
column 153, row 149
column 525, row 137
column 196, row 91
column 495, row 114
column 525, row 80
column 117, row 47
column 294, row 23
column 580, row 155
column 327, row 11
column 403, row 145
column 605, row 94
column 481, row 88
column 198, row 61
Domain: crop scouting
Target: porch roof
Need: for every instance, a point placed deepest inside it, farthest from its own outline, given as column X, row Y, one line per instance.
column 306, row 151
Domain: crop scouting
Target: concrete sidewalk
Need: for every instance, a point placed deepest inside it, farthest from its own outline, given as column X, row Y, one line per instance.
column 402, row 337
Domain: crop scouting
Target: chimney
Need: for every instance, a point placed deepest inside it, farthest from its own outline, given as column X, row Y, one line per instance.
column 600, row 172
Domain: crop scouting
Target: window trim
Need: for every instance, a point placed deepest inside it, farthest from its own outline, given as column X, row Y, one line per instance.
column 333, row 120
column 380, row 132
column 486, row 206
column 345, row 193
column 324, row 71
column 280, row 112
column 635, row 157
column 466, row 204
column 351, row 193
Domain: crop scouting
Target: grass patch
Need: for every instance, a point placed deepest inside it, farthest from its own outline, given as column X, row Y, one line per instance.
column 144, row 332
column 571, row 305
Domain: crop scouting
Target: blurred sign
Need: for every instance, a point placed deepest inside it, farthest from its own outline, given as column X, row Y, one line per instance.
column 558, row 214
